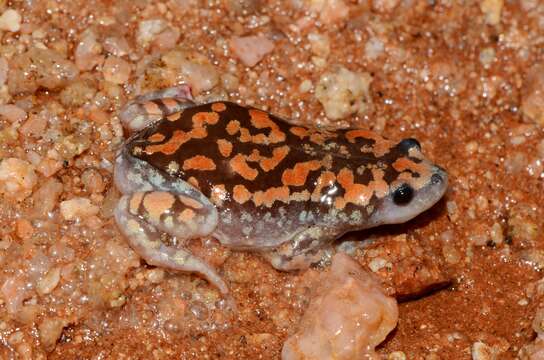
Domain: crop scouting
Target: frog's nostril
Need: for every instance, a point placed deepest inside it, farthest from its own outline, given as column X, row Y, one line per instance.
column 407, row 144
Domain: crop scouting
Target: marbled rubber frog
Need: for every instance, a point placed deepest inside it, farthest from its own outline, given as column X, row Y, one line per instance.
column 255, row 182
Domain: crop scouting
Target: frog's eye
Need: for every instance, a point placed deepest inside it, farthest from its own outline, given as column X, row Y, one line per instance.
column 409, row 143
column 403, row 194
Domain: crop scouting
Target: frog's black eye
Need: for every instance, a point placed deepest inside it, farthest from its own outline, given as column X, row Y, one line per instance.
column 403, row 195
column 409, row 143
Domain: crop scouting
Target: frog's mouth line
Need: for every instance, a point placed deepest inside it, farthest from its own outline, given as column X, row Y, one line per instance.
column 390, row 213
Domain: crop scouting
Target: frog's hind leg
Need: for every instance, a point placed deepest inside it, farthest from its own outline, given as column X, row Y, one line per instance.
column 306, row 248
column 151, row 107
column 142, row 216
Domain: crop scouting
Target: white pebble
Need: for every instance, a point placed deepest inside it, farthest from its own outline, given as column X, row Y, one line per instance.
column 148, row 29
column 251, row 49
column 376, row 264
column 12, row 113
column 10, row 20
column 17, row 178
column 78, row 207
column 49, row 282
column 344, row 92
column 116, row 70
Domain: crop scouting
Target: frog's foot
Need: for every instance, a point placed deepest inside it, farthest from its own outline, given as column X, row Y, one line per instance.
column 151, row 107
column 142, row 216
column 307, row 247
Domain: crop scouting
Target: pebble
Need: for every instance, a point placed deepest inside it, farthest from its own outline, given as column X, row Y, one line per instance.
column 348, row 316
column 384, row 6
column 330, row 11
column 116, row 70
column 77, row 207
column 23, row 229
column 532, row 96
column 12, row 113
column 50, row 330
column 40, row 68
column 320, row 44
column 251, row 49
column 10, row 20
column 492, row 10
column 49, row 282
column 194, row 68
column 17, row 178
column 88, row 52
column 344, row 92
column 148, row 29
column 396, row 355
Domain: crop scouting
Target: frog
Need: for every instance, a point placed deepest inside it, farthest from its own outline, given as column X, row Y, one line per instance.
column 256, row 182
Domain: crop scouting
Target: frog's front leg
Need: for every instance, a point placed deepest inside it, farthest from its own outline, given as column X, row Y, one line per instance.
column 306, row 248
column 151, row 107
column 143, row 215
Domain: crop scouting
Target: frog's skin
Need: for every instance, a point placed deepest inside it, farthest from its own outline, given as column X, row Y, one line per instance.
column 257, row 183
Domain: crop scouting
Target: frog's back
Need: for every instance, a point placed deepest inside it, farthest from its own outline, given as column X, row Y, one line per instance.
column 269, row 178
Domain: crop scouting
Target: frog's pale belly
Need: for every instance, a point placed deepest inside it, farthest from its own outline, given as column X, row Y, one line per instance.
column 258, row 182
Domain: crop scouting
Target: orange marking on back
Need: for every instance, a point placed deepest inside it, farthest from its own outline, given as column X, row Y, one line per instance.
column 241, row 194
column 186, row 215
column 317, row 138
column 298, row 175
column 135, row 201
column 357, row 194
column 352, row 135
column 326, row 179
column 278, row 154
column 239, row 165
column 190, row 202
column 199, row 162
column 381, row 145
column 171, row 146
column 202, row 118
column 260, row 139
column 180, row 137
column 271, row 195
column 245, row 135
column 151, row 108
column 157, row 203
column 233, row 127
column 225, row 147
column 254, row 156
column 299, row 131
column 218, row 107
column 198, row 133
column 156, row 137
column 261, row 120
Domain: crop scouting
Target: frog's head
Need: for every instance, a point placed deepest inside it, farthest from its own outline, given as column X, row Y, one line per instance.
column 415, row 185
